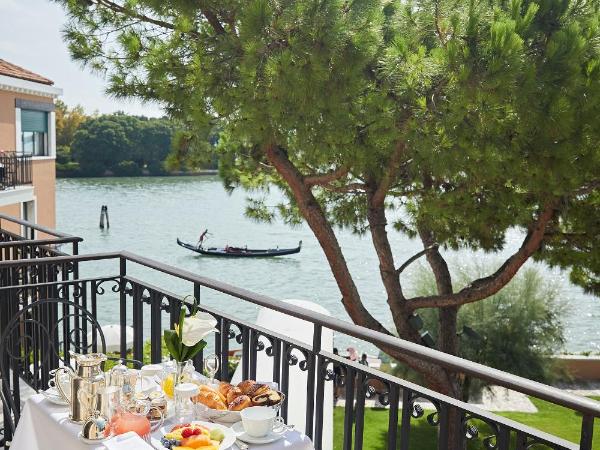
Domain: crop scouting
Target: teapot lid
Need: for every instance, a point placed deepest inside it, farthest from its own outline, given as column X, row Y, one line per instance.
column 89, row 359
column 120, row 368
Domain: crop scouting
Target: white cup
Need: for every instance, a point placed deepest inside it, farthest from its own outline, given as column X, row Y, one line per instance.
column 259, row 421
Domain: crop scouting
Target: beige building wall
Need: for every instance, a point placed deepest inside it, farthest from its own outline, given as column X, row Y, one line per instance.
column 8, row 138
column 43, row 168
column 12, row 210
column 44, row 188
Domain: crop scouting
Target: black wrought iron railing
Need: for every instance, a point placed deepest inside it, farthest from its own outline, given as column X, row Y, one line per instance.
column 15, row 170
column 149, row 309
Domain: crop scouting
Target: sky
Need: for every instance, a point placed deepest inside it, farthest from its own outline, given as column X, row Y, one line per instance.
column 30, row 36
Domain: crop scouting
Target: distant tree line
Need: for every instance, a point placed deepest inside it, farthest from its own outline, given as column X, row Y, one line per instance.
column 113, row 144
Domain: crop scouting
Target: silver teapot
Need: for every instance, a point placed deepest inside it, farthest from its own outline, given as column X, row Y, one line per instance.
column 85, row 383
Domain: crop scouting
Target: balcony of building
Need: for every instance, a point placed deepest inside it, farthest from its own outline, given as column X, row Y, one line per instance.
column 15, row 170
column 129, row 288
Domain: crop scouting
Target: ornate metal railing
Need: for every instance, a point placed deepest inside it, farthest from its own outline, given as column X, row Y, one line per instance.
column 15, row 170
column 149, row 309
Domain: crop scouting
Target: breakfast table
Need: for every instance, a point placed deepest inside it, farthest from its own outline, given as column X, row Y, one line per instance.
column 46, row 426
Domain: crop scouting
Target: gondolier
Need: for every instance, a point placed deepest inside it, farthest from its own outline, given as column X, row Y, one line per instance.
column 201, row 238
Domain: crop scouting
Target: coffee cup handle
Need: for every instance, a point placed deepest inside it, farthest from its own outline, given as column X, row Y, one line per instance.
column 278, row 423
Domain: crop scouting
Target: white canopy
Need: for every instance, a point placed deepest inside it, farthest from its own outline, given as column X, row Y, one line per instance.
column 112, row 335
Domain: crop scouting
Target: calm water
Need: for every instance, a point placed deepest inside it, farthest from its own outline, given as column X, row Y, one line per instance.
column 148, row 214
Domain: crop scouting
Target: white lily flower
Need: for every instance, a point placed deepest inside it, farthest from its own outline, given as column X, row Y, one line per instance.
column 195, row 328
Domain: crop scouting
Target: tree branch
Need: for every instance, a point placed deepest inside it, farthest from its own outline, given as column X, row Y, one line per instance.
column 315, row 217
column 209, row 15
column 413, row 258
column 394, row 165
column 487, row 286
column 351, row 188
column 326, row 178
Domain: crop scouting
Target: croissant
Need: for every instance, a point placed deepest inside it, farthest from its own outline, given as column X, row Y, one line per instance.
column 211, row 399
column 224, row 388
column 233, row 393
column 239, row 403
column 246, row 385
column 205, row 388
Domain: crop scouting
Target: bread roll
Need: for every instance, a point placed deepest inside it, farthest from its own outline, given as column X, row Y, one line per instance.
column 239, row 403
column 246, row 385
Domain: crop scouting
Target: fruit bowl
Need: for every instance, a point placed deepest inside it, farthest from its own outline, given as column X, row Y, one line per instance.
column 196, row 434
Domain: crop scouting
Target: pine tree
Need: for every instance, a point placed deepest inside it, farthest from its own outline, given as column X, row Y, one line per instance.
column 474, row 117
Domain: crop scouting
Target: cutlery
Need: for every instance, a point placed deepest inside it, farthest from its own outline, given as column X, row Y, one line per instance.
column 241, row 445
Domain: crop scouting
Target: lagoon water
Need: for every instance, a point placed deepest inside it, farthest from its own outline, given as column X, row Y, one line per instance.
column 148, row 214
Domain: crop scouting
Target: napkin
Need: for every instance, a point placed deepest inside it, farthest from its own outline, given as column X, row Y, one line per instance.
column 127, row 441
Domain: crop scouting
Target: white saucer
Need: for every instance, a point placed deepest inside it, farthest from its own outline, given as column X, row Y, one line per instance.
column 90, row 441
column 238, row 429
column 52, row 395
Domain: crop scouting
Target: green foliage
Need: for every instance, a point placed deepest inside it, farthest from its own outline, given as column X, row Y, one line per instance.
column 516, row 330
column 68, row 121
column 550, row 418
column 491, row 109
column 127, row 169
column 124, row 145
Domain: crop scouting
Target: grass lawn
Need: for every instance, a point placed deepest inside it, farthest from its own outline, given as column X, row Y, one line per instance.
column 550, row 418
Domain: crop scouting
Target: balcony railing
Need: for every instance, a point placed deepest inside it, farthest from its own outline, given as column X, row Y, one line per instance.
column 149, row 309
column 15, row 170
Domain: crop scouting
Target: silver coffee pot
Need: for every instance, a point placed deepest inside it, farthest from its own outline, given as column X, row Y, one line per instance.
column 85, row 383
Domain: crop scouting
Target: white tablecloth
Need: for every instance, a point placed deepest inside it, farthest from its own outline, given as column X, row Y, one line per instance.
column 45, row 426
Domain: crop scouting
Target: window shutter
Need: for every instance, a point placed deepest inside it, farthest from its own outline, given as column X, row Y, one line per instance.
column 34, row 121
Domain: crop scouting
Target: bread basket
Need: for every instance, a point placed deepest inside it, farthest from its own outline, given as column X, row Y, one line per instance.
column 226, row 416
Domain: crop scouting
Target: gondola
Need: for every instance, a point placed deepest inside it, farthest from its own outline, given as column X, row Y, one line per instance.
column 240, row 252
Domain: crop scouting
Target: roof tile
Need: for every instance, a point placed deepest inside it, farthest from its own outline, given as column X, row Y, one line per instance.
column 14, row 71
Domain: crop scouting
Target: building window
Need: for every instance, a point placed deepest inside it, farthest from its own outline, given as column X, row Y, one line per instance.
column 34, row 132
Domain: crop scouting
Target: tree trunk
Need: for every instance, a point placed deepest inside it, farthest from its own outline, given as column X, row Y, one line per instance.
column 447, row 331
column 436, row 377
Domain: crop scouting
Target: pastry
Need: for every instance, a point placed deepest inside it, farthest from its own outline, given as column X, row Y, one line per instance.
column 205, row 388
column 257, row 389
column 241, row 402
column 233, row 393
column 270, row 398
column 224, row 388
column 246, row 385
column 211, row 399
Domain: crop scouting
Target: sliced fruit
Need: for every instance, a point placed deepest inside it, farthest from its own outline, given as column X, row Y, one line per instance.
column 187, row 432
column 196, row 441
column 217, row 434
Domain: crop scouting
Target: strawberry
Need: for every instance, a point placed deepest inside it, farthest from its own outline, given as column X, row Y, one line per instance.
column 181, row 425
column 187, row 432
column 197, row 431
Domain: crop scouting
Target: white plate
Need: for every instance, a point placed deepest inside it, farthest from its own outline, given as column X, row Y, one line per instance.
column 52, row 395
column 238, row 429
column 228, row 440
